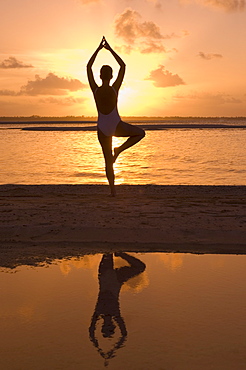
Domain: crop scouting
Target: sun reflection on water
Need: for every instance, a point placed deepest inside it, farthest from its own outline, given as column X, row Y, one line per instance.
column 178, row 156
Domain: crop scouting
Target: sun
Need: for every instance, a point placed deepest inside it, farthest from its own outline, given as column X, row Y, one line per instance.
column 126, row 100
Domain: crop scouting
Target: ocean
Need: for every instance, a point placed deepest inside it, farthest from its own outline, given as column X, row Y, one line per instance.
column 175, row 151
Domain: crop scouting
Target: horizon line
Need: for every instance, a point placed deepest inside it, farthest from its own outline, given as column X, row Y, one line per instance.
column 82, row 118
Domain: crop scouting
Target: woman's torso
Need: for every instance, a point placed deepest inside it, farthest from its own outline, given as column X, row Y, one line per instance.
column 108, row 116
column 106, row 99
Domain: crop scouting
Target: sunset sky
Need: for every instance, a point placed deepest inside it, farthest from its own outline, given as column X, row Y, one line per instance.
column 183, row 57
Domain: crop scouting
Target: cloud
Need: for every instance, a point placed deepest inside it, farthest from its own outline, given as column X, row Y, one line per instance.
column 163, row 78
column 126, row 49
column 157, row 3
column 129, row 27
column 69, row 100
column 12, row 62
column 51, row 85
column 202, row 55
column 226, row 5
column 219, row 98
column 145, row 36
column 8, row 93
column 152, row 47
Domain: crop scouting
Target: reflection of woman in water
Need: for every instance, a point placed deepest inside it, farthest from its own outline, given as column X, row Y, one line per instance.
column 109, row 122
column 107, row 307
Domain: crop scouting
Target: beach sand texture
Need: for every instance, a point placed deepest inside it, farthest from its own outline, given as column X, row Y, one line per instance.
column 45, row 222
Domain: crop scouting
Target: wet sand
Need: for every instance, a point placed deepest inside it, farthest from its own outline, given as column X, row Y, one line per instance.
column 43, row 222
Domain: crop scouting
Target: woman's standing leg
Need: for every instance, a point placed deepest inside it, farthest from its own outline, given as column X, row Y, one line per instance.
column 106, row 144
column 134, row 133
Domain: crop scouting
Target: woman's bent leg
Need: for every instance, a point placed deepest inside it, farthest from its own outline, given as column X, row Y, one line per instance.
column 124, row 129
column 106, row 144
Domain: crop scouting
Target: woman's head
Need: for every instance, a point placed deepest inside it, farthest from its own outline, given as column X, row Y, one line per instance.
column 106, row 73
column 108, row 326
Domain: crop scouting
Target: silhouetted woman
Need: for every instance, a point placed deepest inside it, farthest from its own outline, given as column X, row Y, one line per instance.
column 109, row 122
column 108, row 308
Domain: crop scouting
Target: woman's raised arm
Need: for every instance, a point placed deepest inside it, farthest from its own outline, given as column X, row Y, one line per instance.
column 121, row 73
column 90, row 75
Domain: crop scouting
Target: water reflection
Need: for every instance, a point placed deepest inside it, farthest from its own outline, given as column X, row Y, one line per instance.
column 191, row 316
column 107, row 310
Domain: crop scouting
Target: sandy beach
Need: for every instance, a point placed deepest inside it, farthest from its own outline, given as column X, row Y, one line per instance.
column 44, row 222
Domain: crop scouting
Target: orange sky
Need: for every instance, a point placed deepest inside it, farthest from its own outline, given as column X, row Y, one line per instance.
column 183, row 57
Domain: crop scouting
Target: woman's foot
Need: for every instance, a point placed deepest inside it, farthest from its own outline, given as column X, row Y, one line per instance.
column 116, row 153
column 113, row 193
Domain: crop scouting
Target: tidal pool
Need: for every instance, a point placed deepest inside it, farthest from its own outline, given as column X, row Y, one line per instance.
column 125, row 311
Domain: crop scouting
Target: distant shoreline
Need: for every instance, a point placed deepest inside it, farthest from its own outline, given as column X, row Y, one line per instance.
column 153, row 127
column 148, row 126
column 83, row 119
column 148, row 123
